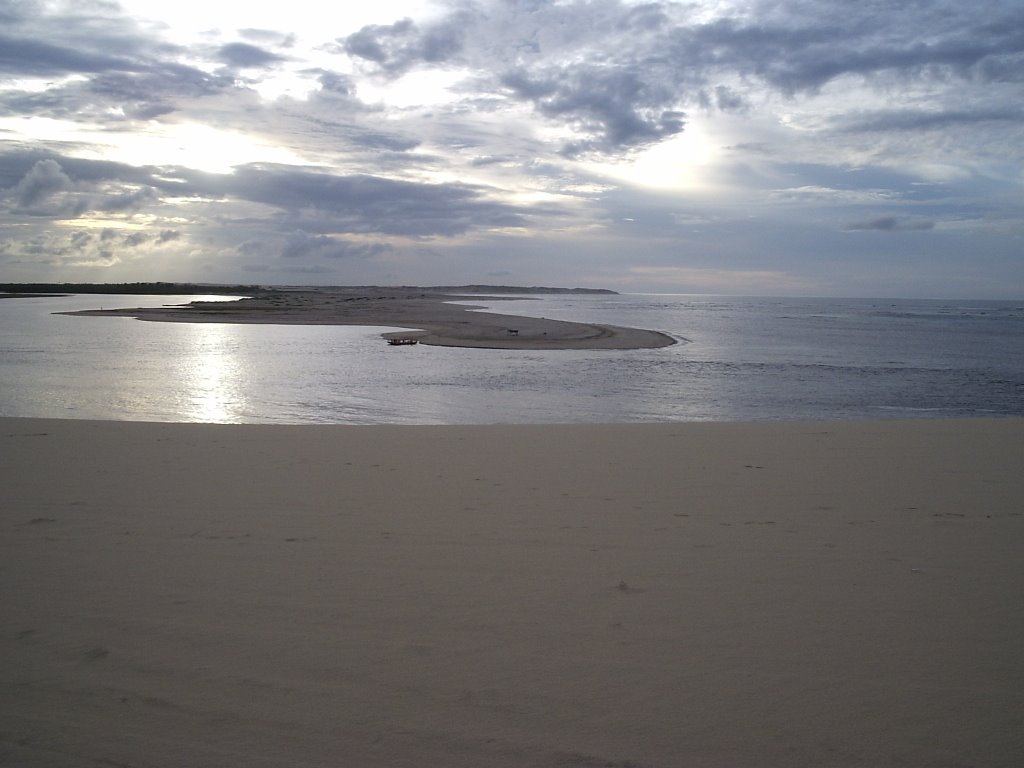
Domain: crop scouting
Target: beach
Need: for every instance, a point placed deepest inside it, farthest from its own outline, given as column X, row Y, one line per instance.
column 430, row 316
column 645, row 595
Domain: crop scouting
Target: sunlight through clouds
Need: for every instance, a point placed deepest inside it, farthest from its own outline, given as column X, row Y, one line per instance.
column 311, row 21
column 197, row 146
column 508, row 125
column 684, row 162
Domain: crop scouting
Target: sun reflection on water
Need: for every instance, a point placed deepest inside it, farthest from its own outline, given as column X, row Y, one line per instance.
column 212, row 374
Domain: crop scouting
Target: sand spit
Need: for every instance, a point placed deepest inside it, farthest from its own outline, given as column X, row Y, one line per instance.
column 844, row 594
column 431, row 318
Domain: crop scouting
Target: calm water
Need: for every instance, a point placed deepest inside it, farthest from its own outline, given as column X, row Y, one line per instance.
column 743, row 358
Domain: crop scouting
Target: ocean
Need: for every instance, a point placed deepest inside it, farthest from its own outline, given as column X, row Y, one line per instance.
column 739, row 359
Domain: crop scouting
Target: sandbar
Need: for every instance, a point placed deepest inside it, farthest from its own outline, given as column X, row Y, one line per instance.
column 430, row 316
column 645, row 595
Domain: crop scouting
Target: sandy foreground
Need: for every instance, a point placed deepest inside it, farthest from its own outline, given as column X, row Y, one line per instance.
column 771, row 594
column 430, row 316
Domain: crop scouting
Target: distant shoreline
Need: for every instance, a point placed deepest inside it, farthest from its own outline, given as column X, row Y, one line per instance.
column 428, row 313
column 171, row 289
column 32, row 295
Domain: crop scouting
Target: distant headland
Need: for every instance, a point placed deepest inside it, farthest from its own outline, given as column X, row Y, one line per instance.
column 128, row 289
column 170, row 289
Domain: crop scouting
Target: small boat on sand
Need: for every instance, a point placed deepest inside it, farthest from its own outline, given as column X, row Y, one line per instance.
column 402, row 342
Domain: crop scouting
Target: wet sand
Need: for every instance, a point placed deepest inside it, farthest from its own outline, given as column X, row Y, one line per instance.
column 722, row 595
column 430, row 316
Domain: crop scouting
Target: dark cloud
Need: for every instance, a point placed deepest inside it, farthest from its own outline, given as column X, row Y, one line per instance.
column 380, row 44
column 311, row 200
column 128, row 73
column 388, row 141
column 301, row 245
column 611, row 107
column 127, row 199
column 244, row 55
column 890, row 224
column 368, row 204
column 335, row 83
column 927, row 120
column 650, row 17
column 47, row 189
column 23, row 56
column 45, row 179
column 398, row 47
column 14, row 165
column 74, row 248
column 135, row 239
column 158, row 86
column 806, row 50
column 725, row 99
column 53, row 39
column 110, row 238
column 81, row 239
column 132, row 90
column 623, row 76
column 613, row 96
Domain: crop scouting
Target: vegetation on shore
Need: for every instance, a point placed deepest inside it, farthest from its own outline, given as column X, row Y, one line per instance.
column 161, row 289
column 139, row 289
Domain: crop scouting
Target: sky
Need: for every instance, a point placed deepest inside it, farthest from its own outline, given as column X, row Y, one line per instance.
column 757, row 147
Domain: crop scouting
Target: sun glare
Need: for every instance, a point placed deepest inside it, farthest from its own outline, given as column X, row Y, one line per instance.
column 200, row 147
column 414, row 89
column 191, row 145
column 314, row 22
column 683, row 162
column 211, row 374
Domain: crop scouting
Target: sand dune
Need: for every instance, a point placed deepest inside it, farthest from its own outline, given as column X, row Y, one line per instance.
column 734, row 595
column 430, row 316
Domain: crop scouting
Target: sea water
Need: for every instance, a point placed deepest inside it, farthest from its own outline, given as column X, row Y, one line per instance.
column 738, row 358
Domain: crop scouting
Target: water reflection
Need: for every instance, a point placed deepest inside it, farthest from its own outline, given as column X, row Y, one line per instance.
column 748, row 359
column 212, row 373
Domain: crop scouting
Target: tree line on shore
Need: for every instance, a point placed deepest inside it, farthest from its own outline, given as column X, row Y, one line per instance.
column 148, row 289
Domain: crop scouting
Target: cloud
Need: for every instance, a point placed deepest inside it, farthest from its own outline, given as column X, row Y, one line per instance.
column 335, row 83
column 300, row 245
column 45, row 179
column 310, row 199
column 914, row 120
column 818, row 194
column 398, row 47
column 17, row 163
column 104, row 65
column 244, row 55
column 135, row 239
column 368, row 204
column 551, row 133
column 26, row 56
column 624, row 76
column 128, row 198
column 47, row 190
column 890, row 224
column 610, row 107
column 77, row 249
column 805, row 52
